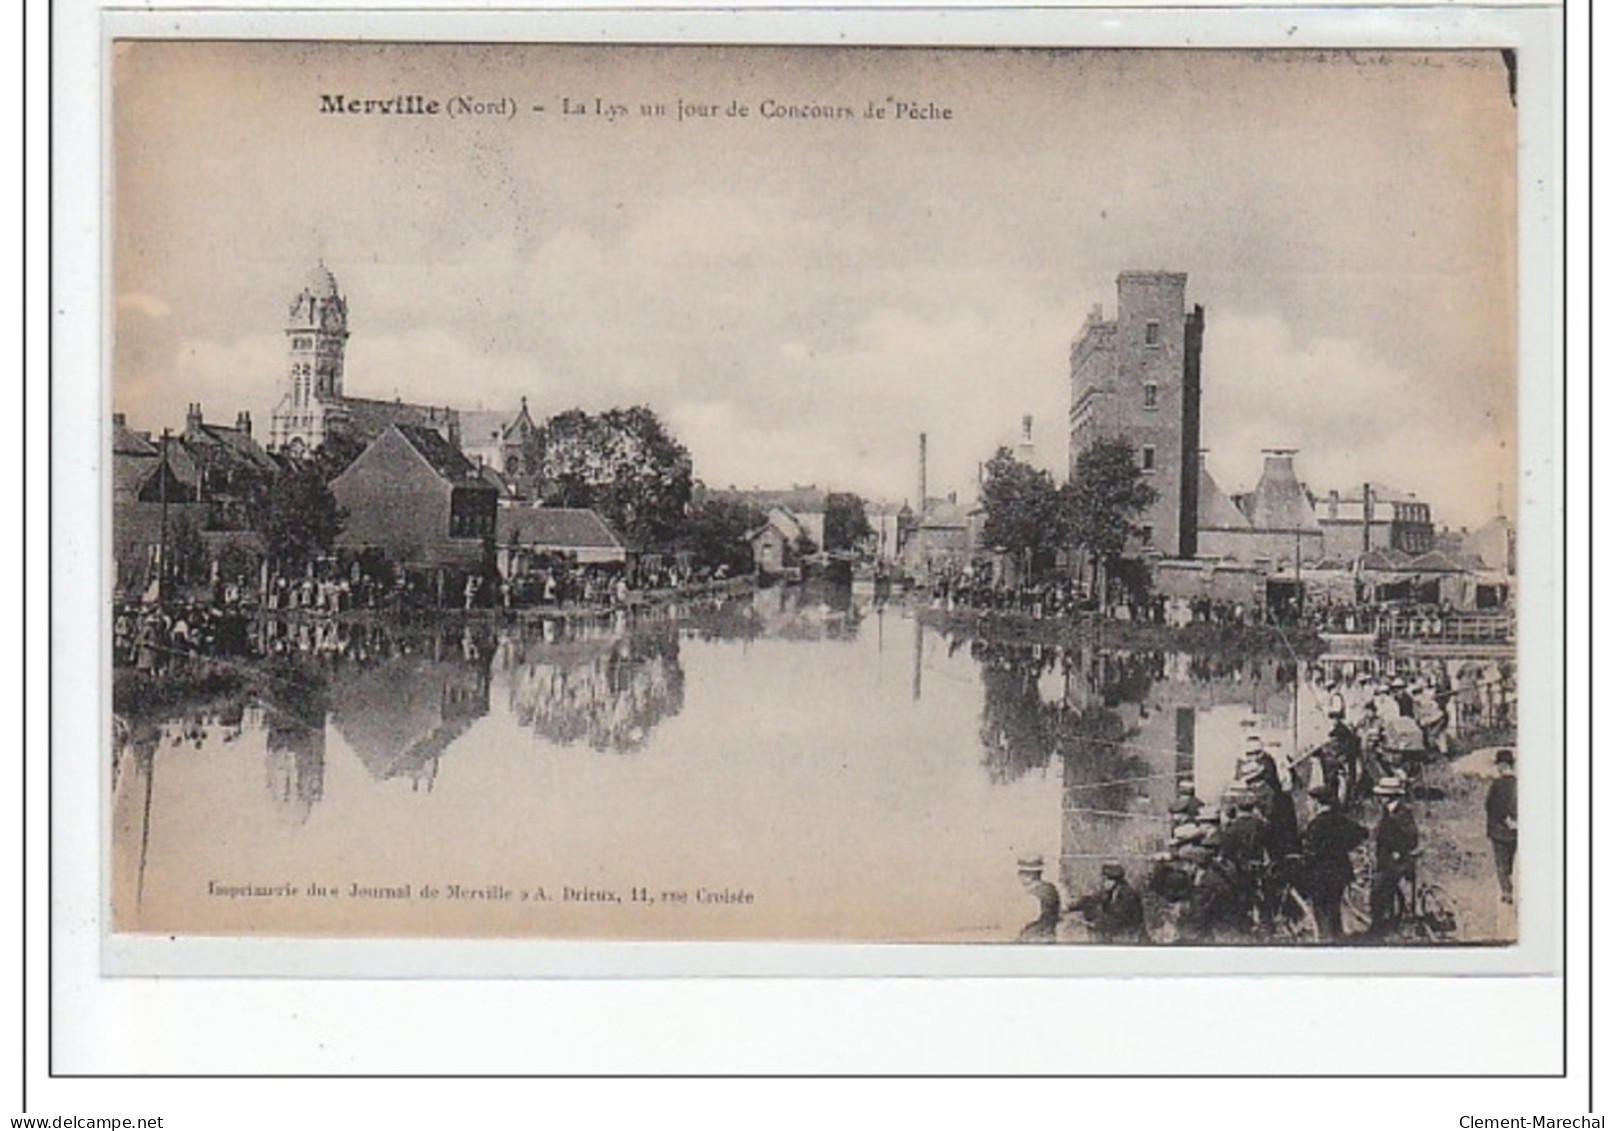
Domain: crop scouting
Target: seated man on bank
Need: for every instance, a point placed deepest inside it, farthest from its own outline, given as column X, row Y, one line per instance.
column 1114, row 913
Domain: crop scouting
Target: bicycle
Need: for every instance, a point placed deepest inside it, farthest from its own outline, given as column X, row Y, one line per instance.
column 1425, row 912
column 1292, row 916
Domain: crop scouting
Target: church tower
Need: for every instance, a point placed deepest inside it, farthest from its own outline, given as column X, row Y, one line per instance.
column 316, row 338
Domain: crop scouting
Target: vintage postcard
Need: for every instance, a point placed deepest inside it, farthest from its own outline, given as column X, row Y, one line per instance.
column 804, row 494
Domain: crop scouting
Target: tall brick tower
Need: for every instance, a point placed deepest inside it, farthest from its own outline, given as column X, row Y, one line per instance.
column 1137, row 377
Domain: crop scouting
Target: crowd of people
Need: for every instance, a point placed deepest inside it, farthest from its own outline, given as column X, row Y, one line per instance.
column 1255, row 865
column 1063, row 597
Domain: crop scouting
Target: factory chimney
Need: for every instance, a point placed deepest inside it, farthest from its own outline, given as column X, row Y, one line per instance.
column 919, row 508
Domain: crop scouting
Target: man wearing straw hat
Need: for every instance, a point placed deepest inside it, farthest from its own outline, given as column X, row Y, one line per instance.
column 1396, row 843
column 1041, row 929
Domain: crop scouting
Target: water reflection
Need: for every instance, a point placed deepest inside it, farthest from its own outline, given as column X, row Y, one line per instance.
column 1125, row 727
column 806, row 746
column 607, row 691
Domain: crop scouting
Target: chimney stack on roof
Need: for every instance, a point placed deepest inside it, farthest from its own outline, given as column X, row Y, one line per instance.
column 244, row 422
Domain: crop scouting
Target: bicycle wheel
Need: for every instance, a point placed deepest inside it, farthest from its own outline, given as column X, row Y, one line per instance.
column 1435, row 913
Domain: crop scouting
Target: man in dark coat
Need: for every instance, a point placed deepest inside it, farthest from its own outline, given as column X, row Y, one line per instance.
column 1502, row 821
column 1114, row 913
column 1396, row 843
column 1214, row 910
column 1042, row 929
column 1326, row 848
column 1345, row 758
column 1257, row 766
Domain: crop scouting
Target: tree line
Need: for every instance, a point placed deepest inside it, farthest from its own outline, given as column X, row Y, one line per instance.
column 1095, row 513
column 623, row 463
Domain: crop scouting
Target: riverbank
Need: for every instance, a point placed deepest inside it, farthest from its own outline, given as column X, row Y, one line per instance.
column 638, row 600
column 1199, row 638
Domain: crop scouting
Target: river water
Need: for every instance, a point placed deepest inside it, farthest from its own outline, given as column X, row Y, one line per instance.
column 793, row 764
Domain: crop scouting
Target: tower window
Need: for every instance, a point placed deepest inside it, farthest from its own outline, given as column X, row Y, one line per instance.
column 1152, row 333
column 1146, row 456
column 1147, row 533
column 1152, row 394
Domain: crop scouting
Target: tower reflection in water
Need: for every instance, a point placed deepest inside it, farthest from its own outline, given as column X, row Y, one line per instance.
column 1123, row 727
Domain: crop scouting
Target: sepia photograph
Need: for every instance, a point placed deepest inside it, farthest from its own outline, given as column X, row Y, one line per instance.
column 987, row 496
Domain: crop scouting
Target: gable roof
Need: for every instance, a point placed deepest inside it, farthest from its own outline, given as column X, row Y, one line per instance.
column 129, row 443
column 782, row 520
column 130, row 473
column 442, row 456
column 1386, row 559
column 231, row 444
column 1440, row 561
column 943, row 515
column 565, row 527
column 480, row 427
column 370, row 418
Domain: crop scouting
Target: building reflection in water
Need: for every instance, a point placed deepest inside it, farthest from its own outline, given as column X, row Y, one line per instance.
column 401, row 699
column 574, row 684
column 1126, row 727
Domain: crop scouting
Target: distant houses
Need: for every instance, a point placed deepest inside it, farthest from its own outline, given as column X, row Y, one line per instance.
column 780, row 542
column 192, row 494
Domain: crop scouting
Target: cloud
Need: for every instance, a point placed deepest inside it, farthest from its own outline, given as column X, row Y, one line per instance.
column 1353, row 415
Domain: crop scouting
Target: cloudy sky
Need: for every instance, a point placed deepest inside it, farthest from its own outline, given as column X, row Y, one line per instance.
column 799, row 298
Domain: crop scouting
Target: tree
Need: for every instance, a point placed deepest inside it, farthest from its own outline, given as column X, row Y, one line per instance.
column 846, row 526
column 300, row 519
column 1025, row 510
column 623, row 463
column 714, row 533
column 333, row 456
column 1104, row 500
column 187, row 556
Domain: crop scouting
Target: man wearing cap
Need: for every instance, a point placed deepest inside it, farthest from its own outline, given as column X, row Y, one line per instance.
column 1041, row 929
column 1171, row 878
column 1244, row 847
column 1326, row 848
column 1213, row 907
column 1114, row 913
column 1185, row 806
column 1502, row 821
column 1396, row 843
